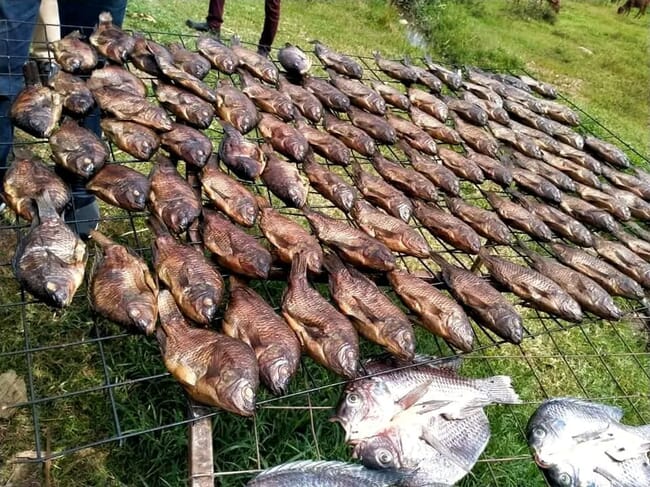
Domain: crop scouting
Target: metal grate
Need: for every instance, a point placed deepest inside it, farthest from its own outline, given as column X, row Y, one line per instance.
column 73, row 358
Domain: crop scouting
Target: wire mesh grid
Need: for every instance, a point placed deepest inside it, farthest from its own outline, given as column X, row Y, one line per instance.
column 72, row 358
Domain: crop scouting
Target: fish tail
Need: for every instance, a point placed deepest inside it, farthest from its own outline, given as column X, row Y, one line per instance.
column 499, row 389
column 333, row 263
column 157, row 226
column 298, row 266
column 100, row 238
column 45, row 205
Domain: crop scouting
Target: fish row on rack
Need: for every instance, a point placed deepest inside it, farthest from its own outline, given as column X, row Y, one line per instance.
column 412, row 165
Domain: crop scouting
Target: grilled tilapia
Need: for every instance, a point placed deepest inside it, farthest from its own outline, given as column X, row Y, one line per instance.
column 324, row 144
column 540, row 87
column 26, row 179
column 213, row 368
column 77, row 98
column 468, row 110
column 294, row 60
column 338, row 62
column 393, row 232
column 639, row 208
column 305, row 101
column 483, row 92
column 50, row 259
column 405, row 179
column 190, row 62
column 439, row 175
column 425, row 77
column 228, row 195
column 73, row 54
column 121, row 186
column 284, row 138
column 353, row 137
column 447, row 227
column 142, row 58
column 122, row 288
column 78, row 149
column 185, row 105
column 547, row 171
column 373, row 314
column 452, row 79
column 624, row 260
column 628, row 182
column 492, row 168
column 187, row 143
column 375, row 126
column 588, row 213
column 244, row 157
column 519, row 217
column 288, row 238
column 537, row 185
column 125, row 106
column 428, row 103
column 376, row 190
column 434, row 127
column 485, row 222
column 532, row 286
column 353, row 245
column 607, row 151
column 325, row 334
column 414, row 135
column 117, row 77
column 396, row 69
column 328, row 184
column 283, row 179
column 327, row 94
column 528, row 117
column 111, row 41
column 391, row 95
column 267, row 99
column 221, row 56
column 136, row 140
column 236, row 108
column 476, row 137
column 234, row 249
column 520, row 142
column 256, row 64
column 461, row 166
column 639, row 246
column 359, row 94
column 250, row 319
column 495, row 111
column 608, row 202
column 171, row 197
column 438, row 313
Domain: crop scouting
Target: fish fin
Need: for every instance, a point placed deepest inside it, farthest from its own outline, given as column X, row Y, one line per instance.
column 499, row 389
column 433, row 442
column 161, row 336
column 413, row 396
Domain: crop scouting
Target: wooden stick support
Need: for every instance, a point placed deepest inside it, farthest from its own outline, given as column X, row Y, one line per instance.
column 201, row 460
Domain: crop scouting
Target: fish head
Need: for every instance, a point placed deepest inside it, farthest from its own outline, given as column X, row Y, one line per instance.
column 248, row 210
column 546, row 436
column 565, row 475
column 277, row 374
column 234, row 392
column 257, row 263
column 401, row 340
column 60, row 289
column 359, row 400
column 378, row 452
column 347, row 358
column 205, row 299
column 143, row 315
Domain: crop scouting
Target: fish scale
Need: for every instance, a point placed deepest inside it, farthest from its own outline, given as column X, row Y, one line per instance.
column 376, row 190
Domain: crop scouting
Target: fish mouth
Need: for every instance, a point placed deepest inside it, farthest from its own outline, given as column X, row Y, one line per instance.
column 540, row 463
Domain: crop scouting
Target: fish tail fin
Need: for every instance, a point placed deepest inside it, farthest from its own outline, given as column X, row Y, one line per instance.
column 439, row 259
column 45, row 205
column 499, row 389
column 298, row 267
column 333, row 263
column 100, row 238
column 157, row 226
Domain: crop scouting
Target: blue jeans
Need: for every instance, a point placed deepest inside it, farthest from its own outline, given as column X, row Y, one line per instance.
column 17, row 21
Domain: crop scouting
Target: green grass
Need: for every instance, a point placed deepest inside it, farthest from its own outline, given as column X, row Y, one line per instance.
column 608, row 83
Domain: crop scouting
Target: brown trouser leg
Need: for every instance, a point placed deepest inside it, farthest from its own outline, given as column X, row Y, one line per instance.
column 271, row 21
column 215, row 14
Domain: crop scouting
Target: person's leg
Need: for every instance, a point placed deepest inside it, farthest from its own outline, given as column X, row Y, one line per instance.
column 271, row 21
column 84, row 14
column 47, row 30
column 213, row 20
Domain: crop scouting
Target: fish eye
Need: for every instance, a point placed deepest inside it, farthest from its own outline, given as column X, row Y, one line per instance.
column 353, row 398
column 539, row 433
column 564, row 479
column 384, row 457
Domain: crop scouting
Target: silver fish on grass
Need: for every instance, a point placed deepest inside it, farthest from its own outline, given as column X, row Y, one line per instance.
column 294, row 60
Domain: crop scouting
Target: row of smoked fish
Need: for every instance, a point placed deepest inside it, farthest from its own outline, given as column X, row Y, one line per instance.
column 542, row 155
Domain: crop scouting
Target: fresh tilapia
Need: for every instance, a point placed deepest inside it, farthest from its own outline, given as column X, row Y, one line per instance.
column 627, row 182
column 396, row 69
column 452, row 79
column 267, row 99
column 26, row 179
column 374, row 125
column 324, row 144
column 639, row 208
column 190, row 62
column 78, row 149
column 414, row 135
column 325, row 334
column 588, row 213
column 330, row 96
column 493, row 310
column 396, row 234
column 612, row 280
column 136, row 140
column 462, row 166
column 294, row 60
column 532, row 286
column 338, row 62
column 354, row 245
column 608, row 202
column 77, row 98
column 519, row 217
column 428, row 103
column 538, row 185
column 305, row 101
column 228, row 195
column 250, row 319
column 405, row 179
column 520, row 142
column 476, row 137
column 73, row 54
column 213, row 368
column 328, row 184
column 111, row 41
column 434, row 127
column 235, row 108
column 310, row 473
column 485, row 222
column 185, row 105
column 284, row 138
column 244, row 157
column 447, row 227
column 624, row 260
column 122, row 288
column 258, row 65
column 125, row 106
column 283, row 179
column 439, row 175
column 359, row 94
column 36, row 108
column 171, row 197
column 234, row 249
column 547, row 171
column 141, row 56
column 288, row 238
column 492, row 168
column 585, row 291
column 373, row 314
column 380, row 193
column 117, row 77
column 438, row 313
column 391, row 95
column 468, row 110
column 120, row 186
column 188, row 144
column 353, row 137
column 50, row 260
column 221, row 56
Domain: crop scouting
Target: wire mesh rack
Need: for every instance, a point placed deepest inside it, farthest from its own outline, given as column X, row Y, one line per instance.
column 90, row 383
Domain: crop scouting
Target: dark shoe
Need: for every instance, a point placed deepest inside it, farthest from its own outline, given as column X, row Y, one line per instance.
column 82, row 216
column 202, row 26
column 264, row 51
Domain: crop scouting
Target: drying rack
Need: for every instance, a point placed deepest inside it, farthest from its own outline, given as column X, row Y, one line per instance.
column 142, row 403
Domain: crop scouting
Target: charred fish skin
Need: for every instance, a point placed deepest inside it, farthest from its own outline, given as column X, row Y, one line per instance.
column 330, row 96
column 325, row 334
column 628, row 182
column 78, row 149
column 376, row 190
column 624, row 259
column 188, row 144
column 250, row 319
column 476, row 137
column 354, row 245
column 125, row 106
column 50, row 260
column 294, row 60
column 414, row 135
column 171, row 198
column 185, row 105
column 607, row 151
column 352, row 136
column 537, row 185
column 428, row 103
column 608, row 202
column 141, row 56
column 588, row 213
column 283, row 179
column 111, row 41
column 221, row 56
column 213, row 368
column 122, row 288
column 73, row 54
column 438, row 313
column 374, row 315
column 484, row 222
column 121, row 186
column 133, row 138
column 236, row 108
column 116, row 77
column 448, row 228
column 519, row 217
column 531, row 285
column 244, row 157
column 235, row 249
column 305, row 101
column 266, row 98
column 328, row 184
